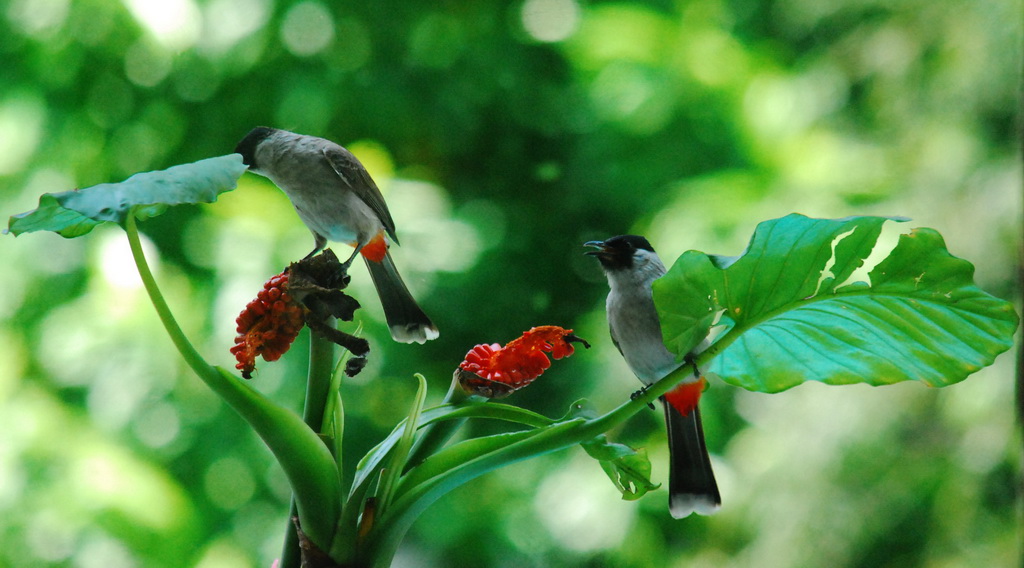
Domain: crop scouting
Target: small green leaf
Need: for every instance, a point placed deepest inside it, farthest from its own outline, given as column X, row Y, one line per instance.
column 629, row 469
column 371, row 462
column 792, row 309
column 75, row 213
column 401, row 452
column 337, row 429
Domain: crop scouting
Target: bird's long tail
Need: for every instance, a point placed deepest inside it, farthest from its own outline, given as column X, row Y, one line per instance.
column 691, row 483
column 405, row 318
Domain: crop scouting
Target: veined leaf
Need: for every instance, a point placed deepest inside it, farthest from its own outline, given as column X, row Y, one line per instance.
column 75, row 213
column 792, row 311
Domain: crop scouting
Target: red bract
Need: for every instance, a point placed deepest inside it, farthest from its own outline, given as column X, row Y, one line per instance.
column 267, row 326
column 494, row 371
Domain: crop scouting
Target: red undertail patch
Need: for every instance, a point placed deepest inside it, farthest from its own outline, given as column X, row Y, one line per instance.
column 685, row 397
column 376, row 249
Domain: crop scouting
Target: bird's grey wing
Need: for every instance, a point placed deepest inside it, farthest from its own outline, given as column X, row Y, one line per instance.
column 615, row 340
column 354, row 175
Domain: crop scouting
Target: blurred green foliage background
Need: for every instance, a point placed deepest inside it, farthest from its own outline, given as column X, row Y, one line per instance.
column 503, row 134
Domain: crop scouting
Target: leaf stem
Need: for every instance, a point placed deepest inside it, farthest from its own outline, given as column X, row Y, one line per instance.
column 318, row 380
column 306, row 461
column 184, row 346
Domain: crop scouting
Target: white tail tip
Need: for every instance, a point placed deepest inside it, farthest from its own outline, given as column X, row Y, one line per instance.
column 682, row 505
column 414, row 333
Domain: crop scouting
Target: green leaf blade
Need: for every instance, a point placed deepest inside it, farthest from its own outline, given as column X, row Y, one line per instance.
column 686, row 301
column 921, row 317
column 51, row 216
column 75, row 213
column 795, row 257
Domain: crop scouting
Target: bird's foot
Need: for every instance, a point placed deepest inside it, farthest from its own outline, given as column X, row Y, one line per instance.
column 638, row 394
column 690, row 359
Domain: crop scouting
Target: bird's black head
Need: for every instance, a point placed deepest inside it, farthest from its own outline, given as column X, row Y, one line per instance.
column 247, row 147
column 618, row 252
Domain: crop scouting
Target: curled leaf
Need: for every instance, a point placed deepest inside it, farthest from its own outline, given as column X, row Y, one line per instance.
column 629, row 469
column 75, row 213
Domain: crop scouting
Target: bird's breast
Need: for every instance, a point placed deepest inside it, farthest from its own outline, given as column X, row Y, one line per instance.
column 636, row 329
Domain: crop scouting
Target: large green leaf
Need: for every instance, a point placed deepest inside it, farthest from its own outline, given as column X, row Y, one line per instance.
column 792, row 309
column 75, row 213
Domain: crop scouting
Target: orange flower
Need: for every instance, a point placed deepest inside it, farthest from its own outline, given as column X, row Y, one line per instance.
column 494, row 371
column 267, row 326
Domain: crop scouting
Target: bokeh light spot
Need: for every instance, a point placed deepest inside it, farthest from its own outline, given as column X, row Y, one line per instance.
column 158, row 426
column 146, row 64
column 550, row 20
column 376, row 159
column 38, row 18
column 431, row 239
column 714, row 57
column 49, row 537
column 174, row 23
column 229, row 21
column 229, row 483
column 436, row 41
column 635, row 97
column 306, row 107
column 22, row 117
column 566, row 505
column 117, row 267
column 308, row 28
column 224, row 554
column 622, row 32
column 101, row 551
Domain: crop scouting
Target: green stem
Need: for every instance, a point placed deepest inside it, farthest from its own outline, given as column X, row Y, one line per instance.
column 411, row 501
column 400, row 454
column 307, row 463
column 610, row 420
column 318, row 380
column 185, row 348
column 318, row 388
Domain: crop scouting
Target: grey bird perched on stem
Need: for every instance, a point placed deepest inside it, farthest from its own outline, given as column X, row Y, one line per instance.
column 631, row 266
column 338, row 201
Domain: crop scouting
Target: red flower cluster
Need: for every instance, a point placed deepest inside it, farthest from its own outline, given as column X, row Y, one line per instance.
column 495, row 371
column 267, row 326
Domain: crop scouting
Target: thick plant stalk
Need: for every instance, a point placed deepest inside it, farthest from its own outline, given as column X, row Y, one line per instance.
column 306, row 461
column 318, row 387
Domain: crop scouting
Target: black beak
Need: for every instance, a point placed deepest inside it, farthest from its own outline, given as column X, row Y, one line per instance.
column 602, row 251
column 610, row 255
